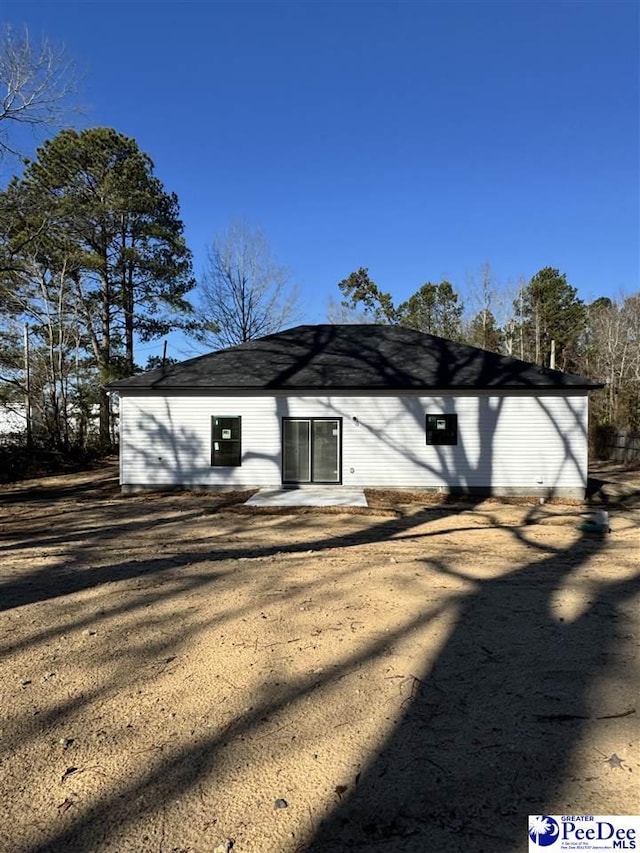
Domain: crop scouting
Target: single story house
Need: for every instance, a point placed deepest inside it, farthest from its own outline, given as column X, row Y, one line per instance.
column 359, row 405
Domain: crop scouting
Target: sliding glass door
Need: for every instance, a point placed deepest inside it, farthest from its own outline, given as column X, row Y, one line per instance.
column 296, row 456
column 311, row 450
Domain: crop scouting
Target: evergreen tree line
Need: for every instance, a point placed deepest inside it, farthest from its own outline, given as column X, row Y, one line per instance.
column 92, row 259
column 544, row 322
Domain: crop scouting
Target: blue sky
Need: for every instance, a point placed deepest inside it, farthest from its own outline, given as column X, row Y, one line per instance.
column 418, row 139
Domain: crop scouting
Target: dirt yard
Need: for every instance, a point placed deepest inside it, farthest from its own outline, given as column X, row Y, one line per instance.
column 179, row 674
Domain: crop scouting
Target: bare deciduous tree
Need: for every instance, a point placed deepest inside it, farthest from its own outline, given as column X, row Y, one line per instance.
column 37, row 83
column 341, row 314
column 612, row 355
column 244, row 294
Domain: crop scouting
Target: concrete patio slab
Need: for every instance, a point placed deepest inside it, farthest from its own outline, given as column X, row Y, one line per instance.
column 309, row 496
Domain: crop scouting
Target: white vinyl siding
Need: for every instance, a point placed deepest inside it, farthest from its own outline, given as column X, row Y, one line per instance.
column 505, row 441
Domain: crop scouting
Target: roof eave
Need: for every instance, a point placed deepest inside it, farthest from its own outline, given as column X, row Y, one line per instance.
column 158, row 387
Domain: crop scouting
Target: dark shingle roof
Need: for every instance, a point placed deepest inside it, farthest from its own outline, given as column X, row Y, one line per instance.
column 352, row 357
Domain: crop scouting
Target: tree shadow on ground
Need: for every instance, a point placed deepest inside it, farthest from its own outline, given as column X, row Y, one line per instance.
column 457, row 772
column 602, row 489
column 78, row 569
column 101, row 483
column 489, row 733
column 76, row 572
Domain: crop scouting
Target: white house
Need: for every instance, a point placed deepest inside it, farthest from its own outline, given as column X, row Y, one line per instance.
column 359, row 405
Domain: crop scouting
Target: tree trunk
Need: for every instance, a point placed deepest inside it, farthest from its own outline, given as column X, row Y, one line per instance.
column 27, row 385
column 127, row 286
column 105, row 431
column 104, row 362
column 128, row 326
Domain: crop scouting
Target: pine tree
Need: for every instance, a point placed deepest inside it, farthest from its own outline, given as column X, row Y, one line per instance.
column 90, row 204
column 550, row 311
column 434, row 309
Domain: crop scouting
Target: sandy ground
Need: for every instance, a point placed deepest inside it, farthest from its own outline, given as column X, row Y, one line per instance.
column 179, row 674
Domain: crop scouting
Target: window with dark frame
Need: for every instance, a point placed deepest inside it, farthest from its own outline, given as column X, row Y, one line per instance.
column 442, row 429
column 226, row 441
